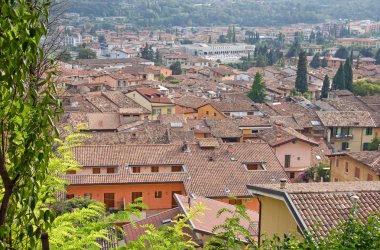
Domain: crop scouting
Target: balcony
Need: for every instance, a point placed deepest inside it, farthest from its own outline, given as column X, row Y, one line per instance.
column 341, row 137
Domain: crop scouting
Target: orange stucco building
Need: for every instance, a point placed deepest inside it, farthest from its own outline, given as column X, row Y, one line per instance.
column 208, row 111
column 157, row 196
column 118, row 174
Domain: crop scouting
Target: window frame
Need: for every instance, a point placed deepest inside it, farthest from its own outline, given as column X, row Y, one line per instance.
column 369, row 131
column 93, row 170
column 357, row 173
column 136, row 170
column 154, row 169
column 158, row 194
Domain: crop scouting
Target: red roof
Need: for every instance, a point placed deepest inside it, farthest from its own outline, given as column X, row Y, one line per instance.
column 133, row 233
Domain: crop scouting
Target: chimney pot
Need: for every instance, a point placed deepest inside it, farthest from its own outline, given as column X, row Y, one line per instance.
column 282, row 183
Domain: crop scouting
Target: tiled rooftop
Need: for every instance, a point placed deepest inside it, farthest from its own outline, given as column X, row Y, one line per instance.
column 221, row 166
column 322, row 206
column 346, row 118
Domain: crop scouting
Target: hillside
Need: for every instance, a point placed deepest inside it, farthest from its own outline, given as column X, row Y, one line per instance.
column 169, row 13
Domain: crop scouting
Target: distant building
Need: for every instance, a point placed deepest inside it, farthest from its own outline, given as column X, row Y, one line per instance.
column 224, row 52
column 358, row 42
column 355, row 166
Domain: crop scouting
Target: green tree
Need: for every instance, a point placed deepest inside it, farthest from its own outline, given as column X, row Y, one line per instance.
column 172, row 236
column 65, row 56
column 377, row 57
column 157, row 58
column 86, row 53
column 325, row 87
column 294, row 49
column 316, row 63
column 101, row 39
column 341, row 53
column 366, row 52
column 366, row 87
column 27, row 111
column 176, row 68
column 348, row 74
column 84, row 225
column 258, row 90
column 226, row 235
column 324, row 63
column 339, row 79
column 375, row 143
column 261, row 61
column 301, row 79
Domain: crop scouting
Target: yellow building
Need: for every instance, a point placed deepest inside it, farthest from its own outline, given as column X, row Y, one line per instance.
column 154, row 101
column 317, row 208
column 358, row 42
column 359, row 166
column 209, row 111
column 348, row 130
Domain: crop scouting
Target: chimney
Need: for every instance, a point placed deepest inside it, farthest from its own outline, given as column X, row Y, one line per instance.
column 186, row 147
column 282, row 183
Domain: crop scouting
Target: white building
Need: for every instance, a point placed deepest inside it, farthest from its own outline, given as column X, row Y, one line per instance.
column 224, row 52
column 72, row 40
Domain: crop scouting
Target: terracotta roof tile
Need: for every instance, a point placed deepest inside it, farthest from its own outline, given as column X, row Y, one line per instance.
column 322, row 206
column 346, row 118
column 225, row 170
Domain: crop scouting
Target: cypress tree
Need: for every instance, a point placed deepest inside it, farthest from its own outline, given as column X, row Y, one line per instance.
column 325, row 87
column 258, row 93
column 324, row 63
column 352, row 57
column 301, row 80
column 315, row 63
column 348, row 74
column 377, row 57
column 339, row 79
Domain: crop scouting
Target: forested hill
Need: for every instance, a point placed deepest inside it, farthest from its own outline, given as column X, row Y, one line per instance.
column 225, row 12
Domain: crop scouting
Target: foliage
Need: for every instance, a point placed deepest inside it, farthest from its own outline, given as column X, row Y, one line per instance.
column 27, row 111
column 377, row 57
column 147, row 53
column 366, row 52
column 65, row 56
column 176, row 68
column 186, row 41
column 375, row 143
column 102, row 39
column 294, row 50
column 226, row 235
column 301, row 79
column 366, row 87
column 348, row 74
column 252, row 37
column 66, row 206
column 258, row 91
column 315, row 63
column 341, row 53
column 169, row 13
column 339, row 80
column 324, row 63
column 316, row 173
column 352, row 233
column 170, row 236
column 83, row 227
column 325, row 87
column 86, row 53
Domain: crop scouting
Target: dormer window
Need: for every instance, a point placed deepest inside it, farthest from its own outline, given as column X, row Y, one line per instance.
column 255, row 166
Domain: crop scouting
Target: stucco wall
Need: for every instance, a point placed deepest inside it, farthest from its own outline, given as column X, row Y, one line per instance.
column 300, row 154
column 340, row 173
column 125, row 192
column 276, row 218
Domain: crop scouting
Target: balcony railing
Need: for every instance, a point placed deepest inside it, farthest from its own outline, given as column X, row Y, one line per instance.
column 341, row 137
